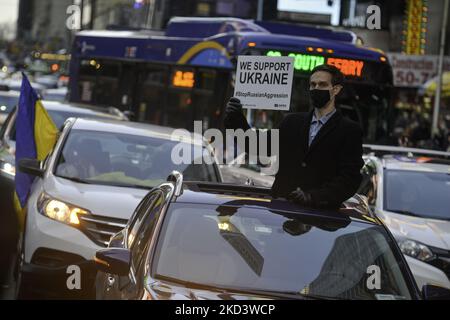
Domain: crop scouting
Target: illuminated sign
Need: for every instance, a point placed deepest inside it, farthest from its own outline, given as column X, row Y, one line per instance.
column 52, row 56
column 183, row 79
column 415, row 27
column 304, row 62
column 348, row 67
column 307, row 62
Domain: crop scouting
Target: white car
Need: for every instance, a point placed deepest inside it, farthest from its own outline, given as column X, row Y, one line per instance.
column 86, row 191
column 409, row 190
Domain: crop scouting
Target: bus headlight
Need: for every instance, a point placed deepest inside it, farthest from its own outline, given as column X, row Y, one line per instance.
column 59, row 210
column 415, row 250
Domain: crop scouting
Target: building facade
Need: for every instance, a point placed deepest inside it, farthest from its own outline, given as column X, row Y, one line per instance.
column 44, row 22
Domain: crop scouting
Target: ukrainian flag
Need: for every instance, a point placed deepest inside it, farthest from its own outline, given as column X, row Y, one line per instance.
column 36, row 134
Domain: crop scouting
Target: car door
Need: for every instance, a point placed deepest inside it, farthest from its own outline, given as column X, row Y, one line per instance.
column 138, row 236
column 142, row 242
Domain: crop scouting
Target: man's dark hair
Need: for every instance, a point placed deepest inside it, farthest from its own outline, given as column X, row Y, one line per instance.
column 336, row 75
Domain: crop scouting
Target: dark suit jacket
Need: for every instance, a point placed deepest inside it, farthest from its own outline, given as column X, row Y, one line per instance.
column 329, row 169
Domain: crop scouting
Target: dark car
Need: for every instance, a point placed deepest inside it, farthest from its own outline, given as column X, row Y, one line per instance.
column 218, row 241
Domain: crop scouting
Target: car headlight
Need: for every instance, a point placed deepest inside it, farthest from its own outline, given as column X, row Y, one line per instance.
column 8, row 168
column 59, row 210
column 415, row 249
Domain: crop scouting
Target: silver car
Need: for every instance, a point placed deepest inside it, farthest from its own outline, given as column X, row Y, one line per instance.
column 409, row 190
column 87, row 189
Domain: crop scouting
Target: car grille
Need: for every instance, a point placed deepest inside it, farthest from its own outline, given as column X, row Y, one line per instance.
column 100, row 229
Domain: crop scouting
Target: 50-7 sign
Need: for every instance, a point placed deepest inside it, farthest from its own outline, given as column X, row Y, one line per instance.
column 411, row 78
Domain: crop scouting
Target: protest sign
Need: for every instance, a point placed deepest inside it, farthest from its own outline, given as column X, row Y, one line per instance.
column 264, row 82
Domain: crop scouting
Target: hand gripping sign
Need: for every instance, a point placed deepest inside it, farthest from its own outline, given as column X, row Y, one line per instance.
column 264, row 82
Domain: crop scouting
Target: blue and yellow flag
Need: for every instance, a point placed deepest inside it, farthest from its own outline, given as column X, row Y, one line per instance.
column 36, row 135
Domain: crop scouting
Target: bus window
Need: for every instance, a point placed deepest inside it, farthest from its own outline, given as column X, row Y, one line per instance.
column 368, row 105
column 151, row 93
column 300, row 94
column 205, row 97
column 178, row 111
column 99, row 81
column 206, row 80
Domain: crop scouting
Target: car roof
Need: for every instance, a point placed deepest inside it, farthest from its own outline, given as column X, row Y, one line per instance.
column 56, row 90
column 75, row 108
column 138, row 129
column 223, row 194
column 381, row 150
column 420, row 164
column 10, row 93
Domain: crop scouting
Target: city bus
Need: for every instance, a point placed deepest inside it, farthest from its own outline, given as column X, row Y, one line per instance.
column 186, row 72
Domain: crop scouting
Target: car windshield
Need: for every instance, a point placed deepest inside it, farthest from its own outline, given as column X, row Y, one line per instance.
column 272, row 251
column 117, row 159
column 7, row 103
column 417, row 193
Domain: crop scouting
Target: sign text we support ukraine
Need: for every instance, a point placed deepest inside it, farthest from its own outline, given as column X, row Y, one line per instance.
column 264, row 82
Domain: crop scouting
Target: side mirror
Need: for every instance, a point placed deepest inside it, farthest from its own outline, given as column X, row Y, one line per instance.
column 430, row 292
column 114, row 261
column 31, row 166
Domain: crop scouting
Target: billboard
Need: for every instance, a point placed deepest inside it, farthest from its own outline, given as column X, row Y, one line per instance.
column 414, row 70
column 310, row 10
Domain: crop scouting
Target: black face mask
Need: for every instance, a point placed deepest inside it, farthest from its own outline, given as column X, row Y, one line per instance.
column 319, row 98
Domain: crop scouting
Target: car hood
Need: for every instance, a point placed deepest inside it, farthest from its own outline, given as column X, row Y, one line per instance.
column 432, row 232
column 108, row 201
